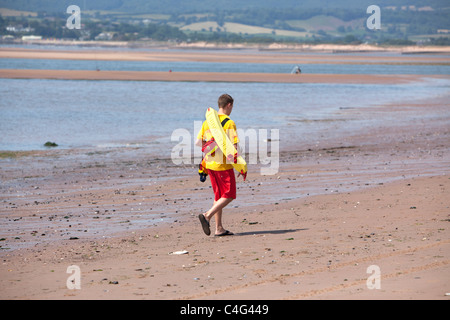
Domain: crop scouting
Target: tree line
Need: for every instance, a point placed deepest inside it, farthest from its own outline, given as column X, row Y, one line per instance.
column 407, row 23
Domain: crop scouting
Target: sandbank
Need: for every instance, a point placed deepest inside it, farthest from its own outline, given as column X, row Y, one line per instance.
column 210, row 76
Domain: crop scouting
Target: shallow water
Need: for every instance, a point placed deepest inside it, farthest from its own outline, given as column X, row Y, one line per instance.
column 320, row 68
column 86, row 114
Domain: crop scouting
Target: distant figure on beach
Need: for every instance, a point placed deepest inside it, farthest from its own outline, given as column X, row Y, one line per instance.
column 220, row 172
column 296, row 70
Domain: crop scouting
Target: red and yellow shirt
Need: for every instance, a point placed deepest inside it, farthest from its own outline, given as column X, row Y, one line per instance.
column 217, row 161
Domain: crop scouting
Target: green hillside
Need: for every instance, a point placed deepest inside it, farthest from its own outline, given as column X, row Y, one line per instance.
column 233, row 21
column 183, row 6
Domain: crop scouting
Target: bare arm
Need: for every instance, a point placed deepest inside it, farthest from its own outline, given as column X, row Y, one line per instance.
column 199, row 143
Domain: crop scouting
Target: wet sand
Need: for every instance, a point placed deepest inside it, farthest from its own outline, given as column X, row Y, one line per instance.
column 336, row 206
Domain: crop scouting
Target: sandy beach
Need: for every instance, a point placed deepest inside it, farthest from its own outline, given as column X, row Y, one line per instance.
column 208, row 76
column 311, row 231
column 381, row 204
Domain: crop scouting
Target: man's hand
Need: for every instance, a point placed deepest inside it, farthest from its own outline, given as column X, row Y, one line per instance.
column 244, row 175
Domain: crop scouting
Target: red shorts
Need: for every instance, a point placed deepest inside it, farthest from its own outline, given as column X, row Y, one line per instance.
column 223, row 184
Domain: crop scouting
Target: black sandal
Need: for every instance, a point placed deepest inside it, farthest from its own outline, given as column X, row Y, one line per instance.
column 205, row 224
column 226, row 233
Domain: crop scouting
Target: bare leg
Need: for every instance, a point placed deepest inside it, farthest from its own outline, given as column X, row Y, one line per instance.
column 216, row 210
column 218, row 206
column 219, row 226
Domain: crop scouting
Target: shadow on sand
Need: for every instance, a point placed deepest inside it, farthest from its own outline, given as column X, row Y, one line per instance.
column 249, row 233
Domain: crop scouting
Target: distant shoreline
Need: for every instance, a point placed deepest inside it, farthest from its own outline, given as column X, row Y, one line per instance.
column 304, row 47
column 245, row 56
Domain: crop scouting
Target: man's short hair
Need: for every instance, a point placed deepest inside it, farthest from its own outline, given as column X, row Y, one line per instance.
column 224, row 100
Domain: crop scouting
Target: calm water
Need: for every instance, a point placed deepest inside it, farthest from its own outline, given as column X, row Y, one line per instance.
column 100, row 114
column 220, row 67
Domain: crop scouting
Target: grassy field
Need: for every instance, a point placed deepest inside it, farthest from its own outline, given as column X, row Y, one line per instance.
column 239, row 28
column 326, row 23
column 321, row 27
column 15, row 13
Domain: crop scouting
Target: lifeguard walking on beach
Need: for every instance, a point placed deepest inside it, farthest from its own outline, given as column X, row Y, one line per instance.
column 220, row 172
